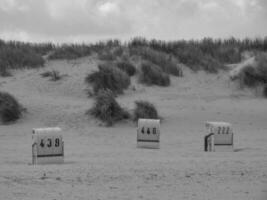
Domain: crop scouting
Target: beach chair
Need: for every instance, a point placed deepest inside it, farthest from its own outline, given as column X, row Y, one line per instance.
column 148, row 133
column 220, row 137
column 47, row 146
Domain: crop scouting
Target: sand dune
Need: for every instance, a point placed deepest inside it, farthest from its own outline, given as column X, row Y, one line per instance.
column 104, row 163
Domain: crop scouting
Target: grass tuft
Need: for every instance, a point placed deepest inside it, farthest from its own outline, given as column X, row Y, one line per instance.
column 265, row 91
column 108, row 77
column 153, row 75
column 10, row 109
column 70, row 51
column 166, row 62
column 54, row 75
column 4, row 71
column 107, row 109
column 145, row 110
column 127, row 67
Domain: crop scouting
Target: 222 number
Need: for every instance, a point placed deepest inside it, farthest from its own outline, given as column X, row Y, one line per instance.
column 225, row 130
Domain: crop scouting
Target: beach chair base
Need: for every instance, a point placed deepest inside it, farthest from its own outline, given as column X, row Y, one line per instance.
column 148, row 145
column 223, row 148
column 48, row 160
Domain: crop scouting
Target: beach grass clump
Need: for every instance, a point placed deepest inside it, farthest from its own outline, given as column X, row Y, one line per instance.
column 261, row 60
column 144, row 110
column 4, row 71
column 108, row 77
column 265, row 91
column 10, row 109
column 166, row 62
column 107, row 109
column 249, row 77
column 254, row 75
column 70, row 51
column 153, row 75
column 127, row 67
column 54, row 75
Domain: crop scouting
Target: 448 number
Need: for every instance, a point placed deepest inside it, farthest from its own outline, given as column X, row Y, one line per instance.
column 154, row 131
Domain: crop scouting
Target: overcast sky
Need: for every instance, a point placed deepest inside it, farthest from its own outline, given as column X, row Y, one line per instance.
column 92, row 20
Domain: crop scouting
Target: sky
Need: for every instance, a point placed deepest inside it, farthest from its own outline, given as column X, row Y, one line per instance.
column 93, row 20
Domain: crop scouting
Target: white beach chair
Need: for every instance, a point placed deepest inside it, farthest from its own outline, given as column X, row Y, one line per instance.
column 220, row 137
column 148, row 133
column 48, row 146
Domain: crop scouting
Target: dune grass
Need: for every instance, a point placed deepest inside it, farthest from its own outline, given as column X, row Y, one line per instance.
column 54, row 75
column 144, row 110
column 153, row 75
column 70, row 51
column 107, row 109
column 261, row 60
column 166, row 62
column 10, row 109
column 127, row 67
column 4, row 71
column 17, row 56
column 252, row 76
column 108, row 77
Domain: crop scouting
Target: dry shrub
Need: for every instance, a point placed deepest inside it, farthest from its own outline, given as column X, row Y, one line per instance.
column 166, row 62
column 248, row 76
column 252, row 76
column 261, row 60
column 54, row 75
column 70, row 51
column 106, row 55
column 10, row 109
column 20, row 57
column 145, row 110
column 4, row 72
column 152, row 75
column 107, row 109
column 265, row 91
column 211, row 65
column 127, row 67
column 108, row 77
column 117, row 51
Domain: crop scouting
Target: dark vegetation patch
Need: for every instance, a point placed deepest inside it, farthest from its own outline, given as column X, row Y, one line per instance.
column 197, row 54
column 127, row 67
column 255, row 75
column 108, row 77
column 265, row 91
column 4, row 71
column 261, row 60
column 207, row 54
column 107, row 109
column 111, row 53
column 70, row 51
column 152, row 74
column 249, row 76
column 145, row 110
column 54, row 75
column 252, row 76
column 15, row 55
column 211, row 65
column 106, row 55
column 165, row 61
column 10, row 109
